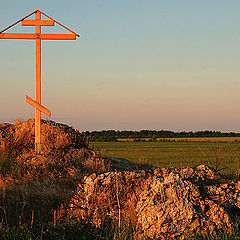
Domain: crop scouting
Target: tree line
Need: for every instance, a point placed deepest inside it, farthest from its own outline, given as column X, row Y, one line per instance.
column 114, row 135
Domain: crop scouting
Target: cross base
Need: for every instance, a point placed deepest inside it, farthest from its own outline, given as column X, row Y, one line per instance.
column 38, row 147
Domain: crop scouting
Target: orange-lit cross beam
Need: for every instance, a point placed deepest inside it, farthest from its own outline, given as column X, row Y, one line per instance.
column 38, row 36
column 38, row 106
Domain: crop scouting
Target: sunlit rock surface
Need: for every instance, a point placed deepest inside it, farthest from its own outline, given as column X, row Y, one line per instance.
column 162, row 203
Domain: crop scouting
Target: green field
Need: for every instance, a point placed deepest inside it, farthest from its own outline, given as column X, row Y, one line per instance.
column 178, row 154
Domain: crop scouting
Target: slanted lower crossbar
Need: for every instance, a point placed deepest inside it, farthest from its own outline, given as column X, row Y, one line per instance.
column 38, row 106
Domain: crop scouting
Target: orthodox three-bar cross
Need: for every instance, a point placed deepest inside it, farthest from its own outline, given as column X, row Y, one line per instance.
column 38, row 36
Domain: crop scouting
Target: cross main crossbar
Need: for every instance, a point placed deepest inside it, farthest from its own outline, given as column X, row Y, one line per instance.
column 38, row 36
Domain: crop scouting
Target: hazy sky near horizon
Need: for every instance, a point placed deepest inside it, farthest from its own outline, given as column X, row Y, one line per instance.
column 139, row 64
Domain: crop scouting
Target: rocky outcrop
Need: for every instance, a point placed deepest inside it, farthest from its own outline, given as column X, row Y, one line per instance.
column 161, row 203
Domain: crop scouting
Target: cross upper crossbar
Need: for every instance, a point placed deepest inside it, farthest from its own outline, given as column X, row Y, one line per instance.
column 37, row 23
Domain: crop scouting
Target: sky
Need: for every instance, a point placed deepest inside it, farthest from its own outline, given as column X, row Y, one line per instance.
column 139, row 64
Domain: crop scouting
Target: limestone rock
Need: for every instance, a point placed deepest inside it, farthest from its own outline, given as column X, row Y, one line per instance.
column 162, row 203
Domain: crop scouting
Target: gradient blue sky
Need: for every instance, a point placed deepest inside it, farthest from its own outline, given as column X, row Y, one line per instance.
column 149, row 64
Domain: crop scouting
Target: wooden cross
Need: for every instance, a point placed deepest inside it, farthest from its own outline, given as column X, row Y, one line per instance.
column 38, row 36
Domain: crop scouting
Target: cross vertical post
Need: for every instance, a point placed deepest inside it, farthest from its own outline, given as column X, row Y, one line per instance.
column 38, row 84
